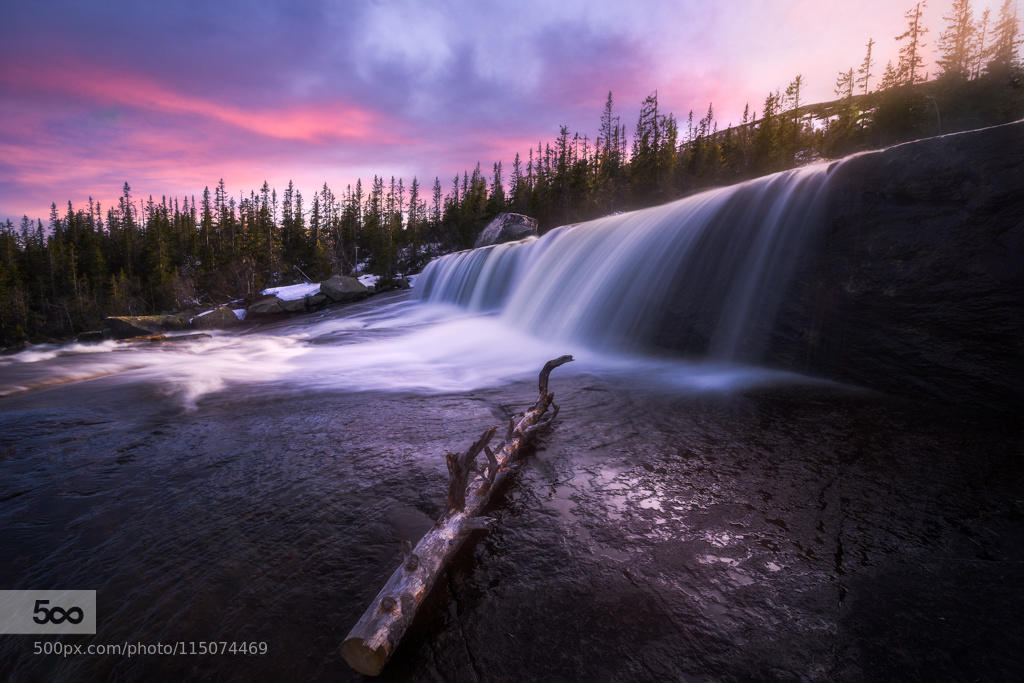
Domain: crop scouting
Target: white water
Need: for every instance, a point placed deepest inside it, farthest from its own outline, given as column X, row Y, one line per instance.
column 710, row 269
column 721, row 260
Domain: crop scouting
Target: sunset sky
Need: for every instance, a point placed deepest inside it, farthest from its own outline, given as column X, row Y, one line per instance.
column 172, row 96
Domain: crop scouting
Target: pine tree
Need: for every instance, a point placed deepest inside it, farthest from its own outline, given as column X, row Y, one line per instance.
column 955, row 42
column 289, row 237
column 844, row 84
column 791, row 128
column 609, row 158
column 978, row 46
column 496, row 202
column 793, row 93
column 1005, row 40
column 644, row 176
column 519, row 189
column 911, row 60
column 435, row 214
column 206, row 231
column 864, row 72
column 890, row 77
column 300, row 254
column 767, row 150
column 414, row 226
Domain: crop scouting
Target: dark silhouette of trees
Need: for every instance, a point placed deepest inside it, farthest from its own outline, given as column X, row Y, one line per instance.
column 911, row 60
column 845, row 84
column 956, row 41
column 1005, row 41
column 141, row 256
column 864, row 72
column 979, row 45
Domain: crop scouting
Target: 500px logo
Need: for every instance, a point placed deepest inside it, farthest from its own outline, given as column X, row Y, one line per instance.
column 47, row 612
column 56, row 615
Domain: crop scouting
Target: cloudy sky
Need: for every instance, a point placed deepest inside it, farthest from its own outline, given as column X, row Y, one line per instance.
column 173, row 95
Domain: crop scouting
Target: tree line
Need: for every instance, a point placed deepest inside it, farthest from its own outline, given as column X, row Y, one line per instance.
column 138, row 257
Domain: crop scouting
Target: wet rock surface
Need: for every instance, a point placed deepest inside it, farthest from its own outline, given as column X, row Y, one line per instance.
column 907, row 280
column 265, row 306
column 343, row 289
column 219, row 318
column 92, row 336
column 122, row 327
column 810, row 534
column 916, row 285
column 507, row 227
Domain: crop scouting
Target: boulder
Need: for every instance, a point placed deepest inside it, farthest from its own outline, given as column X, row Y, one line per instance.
column 91, row 337
column 342, row 288
column 507, row 227
column 125, row 326
column 268, row 305
column 390, row 284
column 293, row 305
column 217, row 319
column 314, row 301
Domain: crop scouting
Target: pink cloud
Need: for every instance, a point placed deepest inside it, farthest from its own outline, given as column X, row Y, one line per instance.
column 321, row 122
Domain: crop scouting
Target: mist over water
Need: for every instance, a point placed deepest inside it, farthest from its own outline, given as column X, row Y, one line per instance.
column 401, row 346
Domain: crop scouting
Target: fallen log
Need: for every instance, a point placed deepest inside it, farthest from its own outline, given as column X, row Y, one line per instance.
column 375, row 636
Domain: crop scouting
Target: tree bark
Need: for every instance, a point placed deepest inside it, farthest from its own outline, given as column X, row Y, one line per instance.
column 373, row 639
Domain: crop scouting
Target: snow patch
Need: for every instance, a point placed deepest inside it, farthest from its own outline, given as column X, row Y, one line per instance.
column 369, row 280
column 239, row 313
column 293, row 292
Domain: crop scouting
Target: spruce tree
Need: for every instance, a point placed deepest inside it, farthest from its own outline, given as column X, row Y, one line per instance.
column 955, row 42
column 911, row 60
column 890, row 77
column 864, row 72
column 979, row 46
column 1005, row 40
column 644, row 177
column 844, row 84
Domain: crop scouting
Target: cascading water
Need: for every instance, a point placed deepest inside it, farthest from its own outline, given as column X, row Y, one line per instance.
column 703, row 275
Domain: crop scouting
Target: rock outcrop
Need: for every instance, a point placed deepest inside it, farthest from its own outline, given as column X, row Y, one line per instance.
column 293, row 305
column 125, row 326
column 267, row 305
column 507, row 227
column 92, row 337
column 343, row 289
column 217, row 319
column 916, row 285
column 910, row 282
column 390, row 284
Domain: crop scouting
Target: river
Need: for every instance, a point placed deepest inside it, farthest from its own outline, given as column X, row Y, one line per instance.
column 682, row 520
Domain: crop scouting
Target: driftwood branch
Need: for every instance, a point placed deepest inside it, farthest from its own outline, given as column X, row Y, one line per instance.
column 375, row 636
column 461, row 466
column 542, row 381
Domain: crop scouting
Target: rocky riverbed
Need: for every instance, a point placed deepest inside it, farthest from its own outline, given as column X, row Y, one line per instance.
column 662, row 531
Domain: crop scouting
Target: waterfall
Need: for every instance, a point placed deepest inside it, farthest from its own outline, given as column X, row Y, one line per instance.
column 704, row 275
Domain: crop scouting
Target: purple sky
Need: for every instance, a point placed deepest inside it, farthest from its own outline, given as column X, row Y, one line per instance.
column 172, row 96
